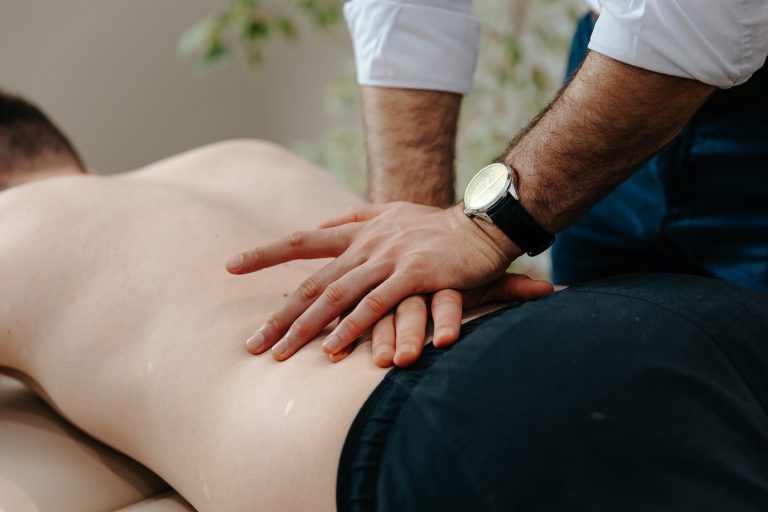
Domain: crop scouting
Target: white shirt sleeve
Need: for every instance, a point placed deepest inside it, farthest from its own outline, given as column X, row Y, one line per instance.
column 718, row 42
column 416, row 44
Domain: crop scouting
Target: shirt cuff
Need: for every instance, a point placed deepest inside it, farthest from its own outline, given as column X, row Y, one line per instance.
column 721, row 43
column 416, row 46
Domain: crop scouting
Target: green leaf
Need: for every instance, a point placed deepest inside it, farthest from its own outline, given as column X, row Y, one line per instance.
column 287, row 28
column 215, row 51
column 256, row 29
column 322, row 14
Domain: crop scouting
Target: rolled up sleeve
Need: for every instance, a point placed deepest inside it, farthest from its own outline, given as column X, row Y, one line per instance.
column 720, row 43
column 419, row 44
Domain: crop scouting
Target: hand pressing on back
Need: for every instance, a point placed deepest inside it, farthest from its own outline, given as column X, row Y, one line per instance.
column 383, row 254
column 399, row 338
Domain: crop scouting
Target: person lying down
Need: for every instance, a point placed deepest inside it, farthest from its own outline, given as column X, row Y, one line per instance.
column 639, row 392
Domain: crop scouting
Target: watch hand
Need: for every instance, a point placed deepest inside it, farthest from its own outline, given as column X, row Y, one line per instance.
column 487, row 185
column 496, row 180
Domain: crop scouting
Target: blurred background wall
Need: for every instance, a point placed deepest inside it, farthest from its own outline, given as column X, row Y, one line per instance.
column 108, row 71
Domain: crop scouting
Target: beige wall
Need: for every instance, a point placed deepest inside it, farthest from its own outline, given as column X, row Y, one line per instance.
column 109, row 73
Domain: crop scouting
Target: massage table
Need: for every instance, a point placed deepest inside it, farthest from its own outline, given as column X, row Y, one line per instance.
column 48, row 465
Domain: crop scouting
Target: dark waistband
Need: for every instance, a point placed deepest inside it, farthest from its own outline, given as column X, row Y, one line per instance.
column 367, row 437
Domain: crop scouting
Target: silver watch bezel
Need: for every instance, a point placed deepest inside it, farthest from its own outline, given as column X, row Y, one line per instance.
column 509, row 187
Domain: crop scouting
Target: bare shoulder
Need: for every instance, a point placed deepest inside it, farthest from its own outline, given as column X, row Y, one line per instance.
column 225, row 158
column 247, row 172
column 35, row 219
column 23, row 207
column 43, row 222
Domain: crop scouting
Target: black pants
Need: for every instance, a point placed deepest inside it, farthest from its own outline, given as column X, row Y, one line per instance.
column 633, row 393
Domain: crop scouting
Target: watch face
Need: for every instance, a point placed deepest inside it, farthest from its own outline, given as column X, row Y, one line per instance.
column 487, row 187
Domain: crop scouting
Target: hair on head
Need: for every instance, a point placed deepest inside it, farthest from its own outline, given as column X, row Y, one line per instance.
column 29, row 140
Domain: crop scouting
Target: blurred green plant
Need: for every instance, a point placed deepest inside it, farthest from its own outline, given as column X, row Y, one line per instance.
column 522, row 60
column 250, row 24
column 521, row 64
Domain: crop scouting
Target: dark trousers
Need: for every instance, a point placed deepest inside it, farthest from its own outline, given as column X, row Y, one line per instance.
column 699, row 206
column 638, row 393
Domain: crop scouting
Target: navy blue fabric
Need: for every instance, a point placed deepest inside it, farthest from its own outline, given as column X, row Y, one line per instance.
column 699, row 206
column 634, row 393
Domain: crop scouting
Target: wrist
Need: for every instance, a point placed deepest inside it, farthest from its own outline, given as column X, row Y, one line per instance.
column 437, row 191
column 524, row 175
column 410, row 142
column 489, row 231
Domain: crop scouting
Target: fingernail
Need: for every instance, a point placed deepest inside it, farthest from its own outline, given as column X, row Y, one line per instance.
column 262, row 335
column 280, row 347
column 265, row 330
column 331, row 343
column 235, row 263
column 255, row 342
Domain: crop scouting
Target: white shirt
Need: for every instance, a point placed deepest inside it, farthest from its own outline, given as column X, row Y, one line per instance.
column 433, row 44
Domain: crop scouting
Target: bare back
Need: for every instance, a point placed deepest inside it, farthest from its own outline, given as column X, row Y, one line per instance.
column 116, row 302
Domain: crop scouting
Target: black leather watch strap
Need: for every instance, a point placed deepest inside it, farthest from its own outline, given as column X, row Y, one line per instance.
column 510, row 216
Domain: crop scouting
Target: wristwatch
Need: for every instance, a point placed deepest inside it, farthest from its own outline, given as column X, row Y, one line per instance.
column 491, row 195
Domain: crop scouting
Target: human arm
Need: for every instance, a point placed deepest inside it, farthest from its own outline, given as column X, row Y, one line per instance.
column 399, row 337
column 595, row 133
column 590, row 138
column 720, row 45
column 415, row 59
column 410, row 135
column 647, row 47
column 411, row 144
column 480, row 256
column 406, row 249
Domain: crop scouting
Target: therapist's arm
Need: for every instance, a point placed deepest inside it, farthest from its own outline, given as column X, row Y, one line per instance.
column 611, row 118
column 415, row 59
column 411, row 144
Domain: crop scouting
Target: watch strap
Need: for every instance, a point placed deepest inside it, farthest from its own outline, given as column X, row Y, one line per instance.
column 510, row 216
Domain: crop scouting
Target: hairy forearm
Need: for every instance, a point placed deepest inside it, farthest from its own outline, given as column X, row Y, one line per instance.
column 411, row 143
column 602, row 126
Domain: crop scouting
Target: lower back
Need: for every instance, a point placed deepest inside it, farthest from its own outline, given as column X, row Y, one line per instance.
column 128, row 321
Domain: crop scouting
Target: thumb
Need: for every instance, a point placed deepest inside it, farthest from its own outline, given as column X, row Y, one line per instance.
column 517, row 287
column 507, row 288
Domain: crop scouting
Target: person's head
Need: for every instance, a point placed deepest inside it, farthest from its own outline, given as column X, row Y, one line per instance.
column 31, row 146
